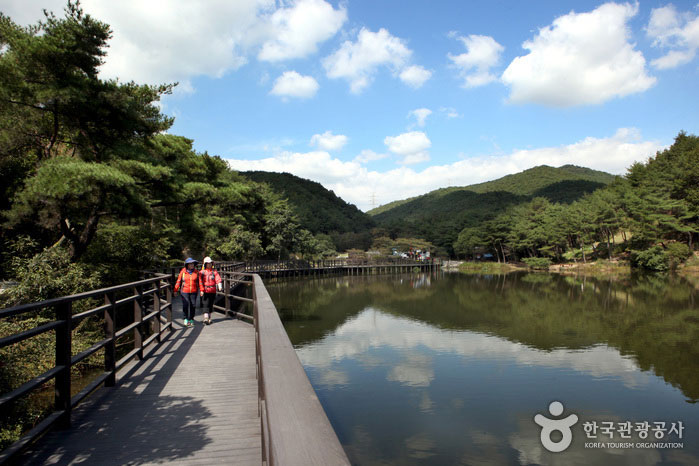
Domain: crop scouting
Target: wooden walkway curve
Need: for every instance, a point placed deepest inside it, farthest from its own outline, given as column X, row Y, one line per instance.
column 193, row 400
column 234, row 392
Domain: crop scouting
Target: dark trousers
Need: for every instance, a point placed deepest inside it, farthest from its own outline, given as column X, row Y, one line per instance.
column 189, row 305
column 207, row 302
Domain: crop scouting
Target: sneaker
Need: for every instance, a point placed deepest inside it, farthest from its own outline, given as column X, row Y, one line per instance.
column 185, row 322
column 191, row 323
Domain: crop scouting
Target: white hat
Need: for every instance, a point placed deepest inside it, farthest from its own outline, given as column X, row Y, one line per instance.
column 207, row 259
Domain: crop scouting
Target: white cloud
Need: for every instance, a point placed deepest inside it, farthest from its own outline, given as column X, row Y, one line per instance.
column 420, row 115
column 482, row 54
column 356, row 184
column 414, row 371
column 293, row 84
column 412, row 146
column 157, row 42
column 676, row 31
column 367, row 155
column 450, row 112
column 373, row 329
column 299, row 29
column 329, row 141
column 357, row 62
column 581, row 59
column 415, row 76
column 153, row 43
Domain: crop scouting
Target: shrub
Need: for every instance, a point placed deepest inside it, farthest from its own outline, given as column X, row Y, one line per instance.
column 654, row 258
column 537, row 263
column 677, row 253
column 47, row 275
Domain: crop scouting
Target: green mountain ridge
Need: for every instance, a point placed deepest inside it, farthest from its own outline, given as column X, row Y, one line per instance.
column 440, row 215
column 536, row 181
column 437, row 216
column 319, row 209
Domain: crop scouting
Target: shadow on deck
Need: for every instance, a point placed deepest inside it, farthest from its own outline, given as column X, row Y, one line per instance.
column 192, row 400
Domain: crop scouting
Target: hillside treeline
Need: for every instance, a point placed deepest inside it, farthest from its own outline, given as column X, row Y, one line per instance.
column 320, row 210
column 650, row 216
column 439, row 216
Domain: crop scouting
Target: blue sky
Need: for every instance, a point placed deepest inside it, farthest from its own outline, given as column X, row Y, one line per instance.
column 382, row 100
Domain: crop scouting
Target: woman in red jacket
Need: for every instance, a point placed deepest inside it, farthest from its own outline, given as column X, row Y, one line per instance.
column 210, row 281
column 188, row 281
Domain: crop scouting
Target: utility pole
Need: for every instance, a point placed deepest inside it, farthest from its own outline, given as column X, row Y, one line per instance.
column 372, row 201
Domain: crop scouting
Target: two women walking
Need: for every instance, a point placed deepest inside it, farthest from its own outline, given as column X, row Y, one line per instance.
column 192, row 282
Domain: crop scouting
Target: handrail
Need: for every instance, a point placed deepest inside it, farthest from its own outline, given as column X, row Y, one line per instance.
column 24, row 308
column 295, row 428
column 299, row 264
column 148, row 304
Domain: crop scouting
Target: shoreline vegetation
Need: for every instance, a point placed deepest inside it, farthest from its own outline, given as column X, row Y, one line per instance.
column 600, row 267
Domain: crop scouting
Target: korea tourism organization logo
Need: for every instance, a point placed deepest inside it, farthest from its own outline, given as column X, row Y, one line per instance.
column 607, row 434
column 549, row 426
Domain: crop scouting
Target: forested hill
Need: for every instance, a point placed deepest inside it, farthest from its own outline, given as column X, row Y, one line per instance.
column 563, row 184
column 440, row 215
column 319, row 209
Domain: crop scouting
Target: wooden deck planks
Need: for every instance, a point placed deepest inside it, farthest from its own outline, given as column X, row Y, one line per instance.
column 192, row 401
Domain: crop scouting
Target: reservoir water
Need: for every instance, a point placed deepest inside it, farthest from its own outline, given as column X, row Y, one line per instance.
column 452, row 368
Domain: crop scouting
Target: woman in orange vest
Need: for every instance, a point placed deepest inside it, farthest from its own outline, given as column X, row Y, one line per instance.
column 188, row 281
column 210, row 281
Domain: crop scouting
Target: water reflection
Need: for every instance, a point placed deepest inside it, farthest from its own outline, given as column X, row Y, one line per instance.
column 365, row 334
column 451, row 369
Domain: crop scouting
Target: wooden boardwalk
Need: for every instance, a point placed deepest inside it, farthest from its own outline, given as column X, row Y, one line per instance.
column 193, row 400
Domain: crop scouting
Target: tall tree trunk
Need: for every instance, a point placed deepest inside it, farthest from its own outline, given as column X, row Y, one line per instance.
column 582, row 248
column 504, row 258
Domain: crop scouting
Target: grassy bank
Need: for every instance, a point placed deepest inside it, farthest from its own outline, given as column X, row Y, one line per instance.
column 488, row 267
column 599, row 267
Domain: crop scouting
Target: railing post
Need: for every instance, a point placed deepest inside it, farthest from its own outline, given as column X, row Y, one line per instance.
column 110, row 347
column 168, row 298
column 227, row 291
column 63, row 356
column 138, row 317
column 156, row 308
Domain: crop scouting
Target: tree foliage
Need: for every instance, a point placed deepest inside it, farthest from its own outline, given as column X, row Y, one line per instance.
column 318, row 209
column 90, row 170
column 650, row 214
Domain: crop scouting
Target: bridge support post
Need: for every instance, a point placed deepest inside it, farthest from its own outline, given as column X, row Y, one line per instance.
column 63, row 357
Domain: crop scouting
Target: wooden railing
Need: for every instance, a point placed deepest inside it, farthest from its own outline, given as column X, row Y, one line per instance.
column 295, row 428
column 148, row 299
column 295, row 264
